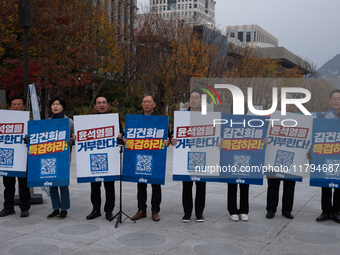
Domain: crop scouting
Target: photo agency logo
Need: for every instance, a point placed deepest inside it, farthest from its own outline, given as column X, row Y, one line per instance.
column 238, row 100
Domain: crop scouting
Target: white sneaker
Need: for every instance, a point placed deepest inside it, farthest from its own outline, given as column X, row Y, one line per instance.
column 234, row 217
column 244, row 217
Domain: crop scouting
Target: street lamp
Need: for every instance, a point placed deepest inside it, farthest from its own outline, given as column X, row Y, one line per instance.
column 25, row 21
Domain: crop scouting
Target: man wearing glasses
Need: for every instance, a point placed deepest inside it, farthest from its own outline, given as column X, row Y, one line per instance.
column 149, row 104
column 102, row 107
column 329, row 210
column 17, row 103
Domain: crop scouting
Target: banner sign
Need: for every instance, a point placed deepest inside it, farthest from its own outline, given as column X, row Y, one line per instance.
column 145, row 152
column 97, row 148
column 325, row 163
column 289, row 140
column 48, row 153
column 196, row 154
column 242, row 149
column 13, row 150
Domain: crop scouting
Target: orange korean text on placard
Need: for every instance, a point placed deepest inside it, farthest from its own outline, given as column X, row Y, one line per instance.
column 326, row 148
column 46, row 148
column 144, row 144
column 242, row 144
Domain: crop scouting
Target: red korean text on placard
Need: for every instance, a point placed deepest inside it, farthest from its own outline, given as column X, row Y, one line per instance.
column 95, row 133
column 195, row 131
column 296, row 132
column 12, row 128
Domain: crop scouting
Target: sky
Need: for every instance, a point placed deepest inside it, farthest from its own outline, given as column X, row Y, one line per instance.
column 308, row 28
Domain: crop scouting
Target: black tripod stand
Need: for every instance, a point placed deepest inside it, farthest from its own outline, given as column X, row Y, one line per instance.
column 119, row 214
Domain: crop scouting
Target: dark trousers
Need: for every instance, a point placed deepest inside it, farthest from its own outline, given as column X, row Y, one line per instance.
column 232, row 198
column 24, row 193
column 156, row 197
column 199, row 199
column 273, row 194
column 109, row 194
column 326, row 201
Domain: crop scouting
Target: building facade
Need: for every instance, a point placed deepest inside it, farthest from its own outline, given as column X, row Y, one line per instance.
column 199, row 11
column 252, row 34
column 122, row 11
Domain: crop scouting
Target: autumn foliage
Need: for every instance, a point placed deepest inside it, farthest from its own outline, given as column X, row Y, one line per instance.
column 78, row 49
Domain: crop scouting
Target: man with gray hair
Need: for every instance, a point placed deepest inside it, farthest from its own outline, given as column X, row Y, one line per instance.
column 149, row 104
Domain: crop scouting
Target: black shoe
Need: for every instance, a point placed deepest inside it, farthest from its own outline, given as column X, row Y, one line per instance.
column 270, row 214
column 186, row 218
column 93, row 214
column 62, row 215
column 6, row 212
column 323, row 217
column 336, row 217
column 54, row 214
column 288, row 215
column 24, row 213
column 200, row 218
column 109, row 216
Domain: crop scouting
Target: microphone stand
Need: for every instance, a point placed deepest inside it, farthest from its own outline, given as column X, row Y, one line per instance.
column 120, row 213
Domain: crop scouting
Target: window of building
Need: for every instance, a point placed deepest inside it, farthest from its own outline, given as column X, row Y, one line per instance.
column 167, row 15
column 232, row 33
column 195, row 6
column 156, row 1
column 182, row 14
column 179, row 7
column 172, row 4
column 163, row 7
column 179, row 14
column 240, row 35
column 186, row 6
column 248, row 36
column 190, row 13
column 254, row 36
column 182, row 6
column 186, row 14
column 190, row 6
column 160, row 1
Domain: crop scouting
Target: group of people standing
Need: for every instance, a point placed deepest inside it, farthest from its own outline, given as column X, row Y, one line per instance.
column 60, row 197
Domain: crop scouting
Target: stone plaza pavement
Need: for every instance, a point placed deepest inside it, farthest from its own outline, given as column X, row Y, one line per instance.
column 217, row 235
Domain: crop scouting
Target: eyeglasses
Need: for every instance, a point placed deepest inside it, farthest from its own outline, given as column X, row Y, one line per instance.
column 147, row 102
column 102, row 103
column 197, row 98
column 335, row 99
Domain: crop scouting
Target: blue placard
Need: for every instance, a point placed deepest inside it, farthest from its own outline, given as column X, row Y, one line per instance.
column 243, row 151
column 325, row 163
column 145, row 153
column 48, row 153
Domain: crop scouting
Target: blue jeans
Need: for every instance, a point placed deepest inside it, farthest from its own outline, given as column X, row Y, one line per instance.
column 62, row 202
